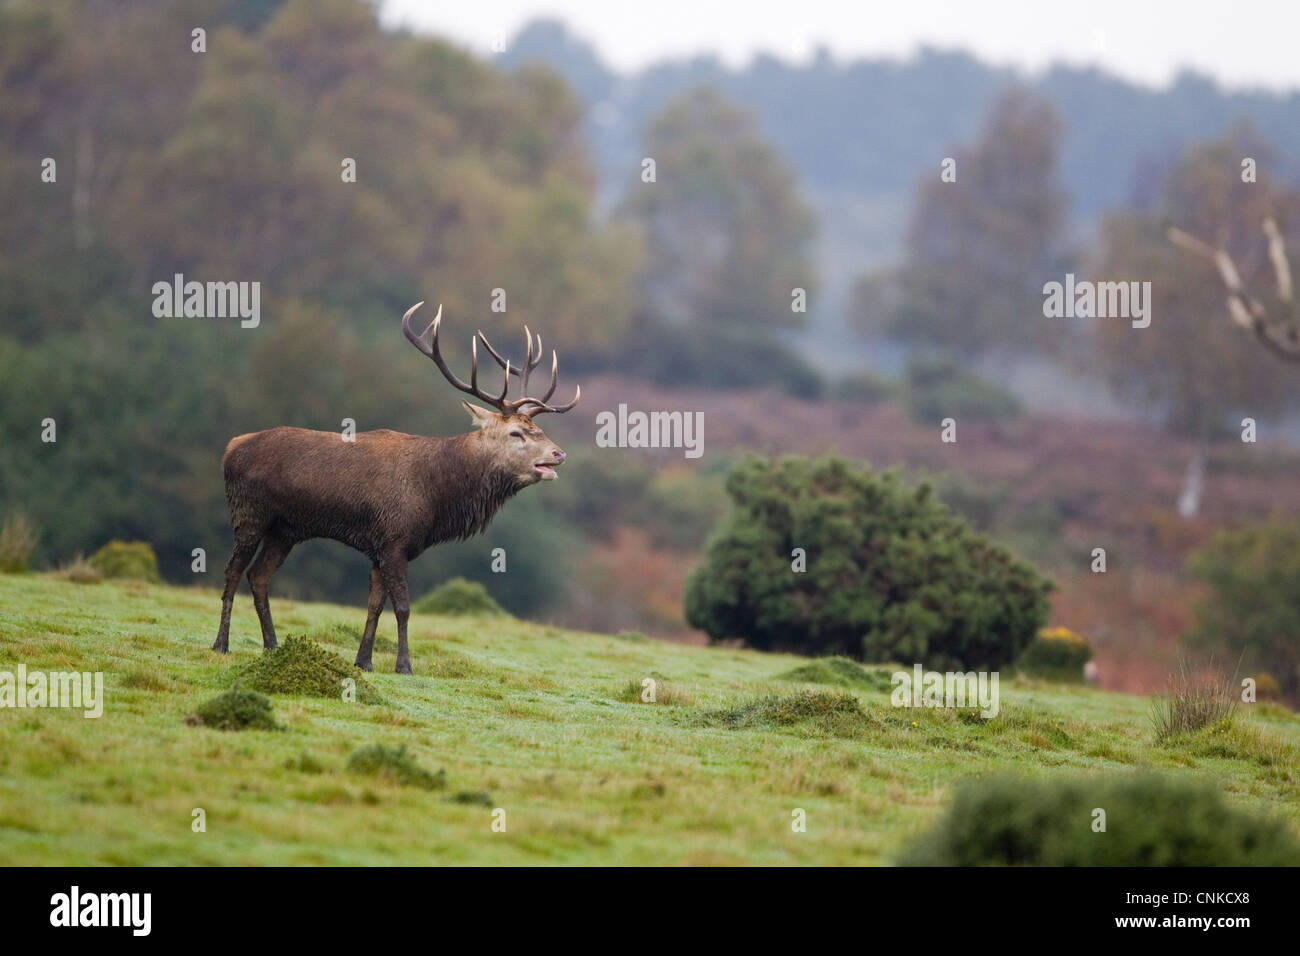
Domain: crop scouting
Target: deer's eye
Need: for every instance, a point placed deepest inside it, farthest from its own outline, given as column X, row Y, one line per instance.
column 517, row 434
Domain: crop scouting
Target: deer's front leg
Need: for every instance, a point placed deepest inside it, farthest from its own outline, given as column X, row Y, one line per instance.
column 393, row 572
column 373, row 610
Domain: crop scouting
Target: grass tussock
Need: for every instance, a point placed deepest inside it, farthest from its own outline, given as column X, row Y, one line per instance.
column 237, row 709
column 838, row 714
column 304, row 763
column 81, row 571
column 665, row 693
column 838, row 672
column 300, row 666
column 453, row 665
column 475, row 798
column 1193, row 701
column 140, row 679
column 394, row 765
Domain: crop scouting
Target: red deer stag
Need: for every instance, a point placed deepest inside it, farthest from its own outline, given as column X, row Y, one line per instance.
column 388, row 495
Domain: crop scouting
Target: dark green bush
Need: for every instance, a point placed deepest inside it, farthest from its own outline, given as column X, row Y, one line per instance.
column 1250, row 612
column 939, row 388
column 1150, row 821
column 892, row 574
column 127, row 559
column 458, row 596
column 237, row 709
column 1057, row 653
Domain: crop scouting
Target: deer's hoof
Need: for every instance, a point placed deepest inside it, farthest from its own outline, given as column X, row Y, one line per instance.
column 365, row 665
column 403, row 667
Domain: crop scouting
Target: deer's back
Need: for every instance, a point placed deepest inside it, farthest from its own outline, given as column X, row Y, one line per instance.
column 305, row 484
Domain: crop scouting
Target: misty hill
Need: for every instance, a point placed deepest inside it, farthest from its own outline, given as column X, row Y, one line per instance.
column 878, row 124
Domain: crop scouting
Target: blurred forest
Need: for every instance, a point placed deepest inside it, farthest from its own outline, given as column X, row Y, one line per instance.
column 525, row 174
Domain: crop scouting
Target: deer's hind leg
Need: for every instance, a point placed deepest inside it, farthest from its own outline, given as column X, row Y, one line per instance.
column 274, row 550
column 374, row 608
column 245, row 547
column 392, row 570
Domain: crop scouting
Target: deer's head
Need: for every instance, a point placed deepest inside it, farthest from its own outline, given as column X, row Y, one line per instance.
column 515, row 443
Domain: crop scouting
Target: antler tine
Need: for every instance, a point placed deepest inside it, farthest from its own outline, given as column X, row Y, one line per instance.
column 500, row 400
column 493, row 352
column 538, row 407
column 528, row 361
column 555, row 369
column 427, row 343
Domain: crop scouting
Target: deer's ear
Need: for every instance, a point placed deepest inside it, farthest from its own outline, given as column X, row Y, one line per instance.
column 480, row 416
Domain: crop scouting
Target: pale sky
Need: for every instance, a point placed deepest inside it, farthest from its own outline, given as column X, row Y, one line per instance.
column 1240, row 44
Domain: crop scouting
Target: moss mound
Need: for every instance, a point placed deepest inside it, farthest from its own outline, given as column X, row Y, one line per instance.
column 236, row 709
column 1150, row 821
column 837, row 672
column 300, row 666
column 459, row 596
column 127, row 559
column 839, row 714
column 395, row 765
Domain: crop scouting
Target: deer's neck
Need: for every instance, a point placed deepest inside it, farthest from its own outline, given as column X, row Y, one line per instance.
column 465, row 487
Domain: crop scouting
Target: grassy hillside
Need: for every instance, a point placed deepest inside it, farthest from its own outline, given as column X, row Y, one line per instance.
column 546, row 724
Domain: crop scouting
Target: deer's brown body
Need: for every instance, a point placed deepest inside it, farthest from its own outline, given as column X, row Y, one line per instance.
column 388, row 495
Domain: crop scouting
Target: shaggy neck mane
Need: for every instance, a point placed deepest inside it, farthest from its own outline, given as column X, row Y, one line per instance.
column 466, row 485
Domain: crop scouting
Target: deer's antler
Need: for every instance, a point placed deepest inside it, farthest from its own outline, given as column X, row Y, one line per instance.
column 427, row 343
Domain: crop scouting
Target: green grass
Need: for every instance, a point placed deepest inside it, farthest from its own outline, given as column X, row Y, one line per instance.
column 536, row 721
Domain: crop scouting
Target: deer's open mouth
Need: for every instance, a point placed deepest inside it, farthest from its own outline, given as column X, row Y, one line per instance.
column 546, row 470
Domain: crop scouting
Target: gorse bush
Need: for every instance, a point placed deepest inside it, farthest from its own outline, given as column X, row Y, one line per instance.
column 458, row 596
column 127, row 559
column 1150, row 821
column 1250, row 611
column 17, row 542
column 1057, row 653
column 892, row 574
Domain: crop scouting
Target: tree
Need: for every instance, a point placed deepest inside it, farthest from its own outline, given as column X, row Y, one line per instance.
column 1250, row 611
column 890, row 574
column 1194, row 366
column 727, row 235
column 979, row 247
